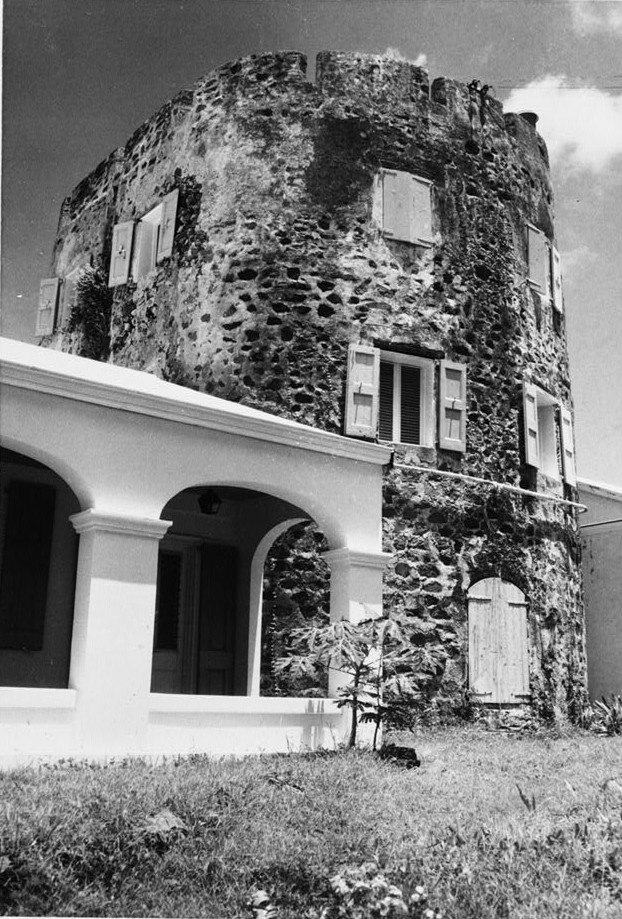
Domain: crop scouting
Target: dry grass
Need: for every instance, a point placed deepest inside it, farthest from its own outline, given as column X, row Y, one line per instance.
column 492, row 826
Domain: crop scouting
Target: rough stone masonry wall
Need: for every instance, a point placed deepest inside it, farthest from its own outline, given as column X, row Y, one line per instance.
column 278, row 265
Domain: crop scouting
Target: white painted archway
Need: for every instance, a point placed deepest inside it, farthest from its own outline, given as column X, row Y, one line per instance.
column 127, row 442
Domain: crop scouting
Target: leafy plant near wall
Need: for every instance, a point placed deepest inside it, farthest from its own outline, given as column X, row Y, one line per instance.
column 386, row 674
column 91, row 312
column 296, row 596
column 608, row 715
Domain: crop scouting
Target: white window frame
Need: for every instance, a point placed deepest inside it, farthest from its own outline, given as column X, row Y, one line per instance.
column 426, row 366
column 546, row 407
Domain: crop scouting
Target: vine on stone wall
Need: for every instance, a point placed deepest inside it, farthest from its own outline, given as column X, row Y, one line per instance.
column 90, row 314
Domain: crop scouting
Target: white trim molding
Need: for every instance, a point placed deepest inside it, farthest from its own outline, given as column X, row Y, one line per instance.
column 26, row 366
column 377, row 560
column 89, row 520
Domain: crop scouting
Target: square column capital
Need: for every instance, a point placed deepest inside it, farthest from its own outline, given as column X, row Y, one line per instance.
column 356, row 559
column 91, row 520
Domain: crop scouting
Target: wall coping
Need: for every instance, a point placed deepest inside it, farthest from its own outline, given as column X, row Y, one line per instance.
column 174, row 703
column 34, row 697
column 600, row 488
column 26, row 366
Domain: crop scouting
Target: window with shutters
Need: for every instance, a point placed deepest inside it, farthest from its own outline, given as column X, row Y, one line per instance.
column 48, row 306
column 544, row 268
column 138, row 248
column 498, row 642
column 547, row 424
column 402, row 206
column 390, row 397
column 405, row 399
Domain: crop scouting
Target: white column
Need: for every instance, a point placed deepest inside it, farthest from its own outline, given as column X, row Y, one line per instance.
column 112, row 643
column 355, row 590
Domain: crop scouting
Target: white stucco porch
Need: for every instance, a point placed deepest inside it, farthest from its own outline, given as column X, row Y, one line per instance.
column 126, row 443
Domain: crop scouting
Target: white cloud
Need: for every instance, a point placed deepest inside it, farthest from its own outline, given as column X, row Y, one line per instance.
column 596, row 15
column 420, row 61
column 582, row 125
column 578, row 259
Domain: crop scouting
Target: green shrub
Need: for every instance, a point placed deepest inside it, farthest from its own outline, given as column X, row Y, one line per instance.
column 608, row 715
column 91, row 314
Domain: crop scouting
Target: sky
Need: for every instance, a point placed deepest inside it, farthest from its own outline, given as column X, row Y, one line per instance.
column 80, row 75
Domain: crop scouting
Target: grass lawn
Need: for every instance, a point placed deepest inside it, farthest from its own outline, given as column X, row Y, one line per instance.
column 197, row 837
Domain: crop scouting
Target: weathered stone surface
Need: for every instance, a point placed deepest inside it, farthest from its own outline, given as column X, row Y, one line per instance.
column 278, row 265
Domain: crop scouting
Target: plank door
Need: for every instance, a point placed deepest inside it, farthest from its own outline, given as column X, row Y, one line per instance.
column 217, row 620
column 498, row 649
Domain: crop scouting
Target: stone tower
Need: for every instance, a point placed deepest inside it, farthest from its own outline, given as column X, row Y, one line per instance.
column 375, row 256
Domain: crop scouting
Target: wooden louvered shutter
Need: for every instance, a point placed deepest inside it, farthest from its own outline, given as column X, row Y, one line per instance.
column 167, row 227
column 362, row 391
column 514, row 671
column 48, row 302
column 530, row 421
column 410, row 404
column 538, row 257
column 26, row 565
column 556, row 274
column 121, row 253
column 397, row 204
column 452, row 407
column 422, row 211
column 567, row 444
column 386, row 401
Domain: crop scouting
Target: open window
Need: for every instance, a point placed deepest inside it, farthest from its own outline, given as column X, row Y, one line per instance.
column 405, row 409
column 546, row 422
column 390, row 396
column 402, row 206
column 138, row 247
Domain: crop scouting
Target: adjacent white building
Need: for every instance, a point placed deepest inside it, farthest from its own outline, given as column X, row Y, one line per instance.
column 112, row 477
column 601, row 532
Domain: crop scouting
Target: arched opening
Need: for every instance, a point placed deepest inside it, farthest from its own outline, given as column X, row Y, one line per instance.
column 498, row 642
column 38, row 557
column 208, row 602
column 296, row 595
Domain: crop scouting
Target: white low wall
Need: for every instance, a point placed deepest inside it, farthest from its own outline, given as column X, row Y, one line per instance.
column 41, row 725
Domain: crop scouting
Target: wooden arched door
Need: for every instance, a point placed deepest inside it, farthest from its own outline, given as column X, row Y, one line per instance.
column 498, row 644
